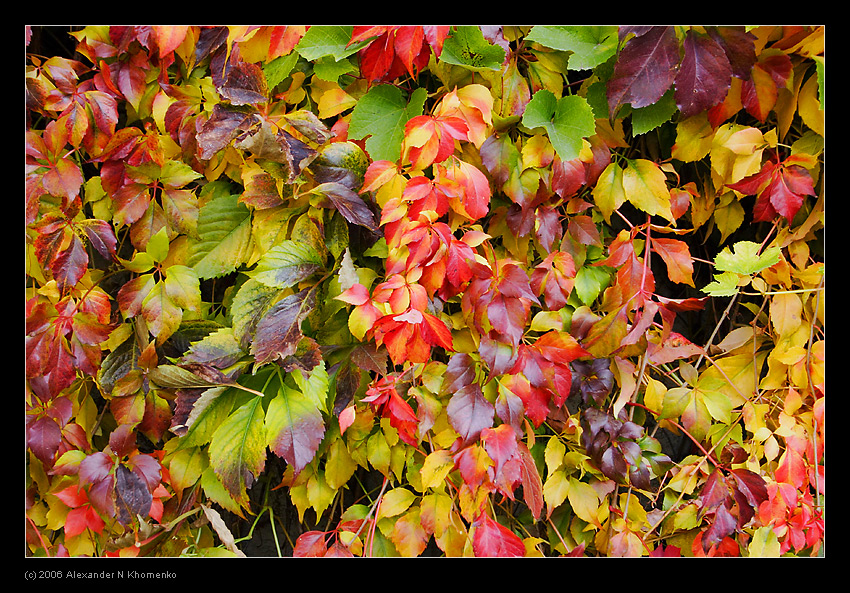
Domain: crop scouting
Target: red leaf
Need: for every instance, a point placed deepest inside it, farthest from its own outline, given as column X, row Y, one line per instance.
column 70, row 265
column 402, row 418
column 500, row 444
column 310, row 544
column 430, row 139
column 493, row 540
column 554, row 278
column 532, row 484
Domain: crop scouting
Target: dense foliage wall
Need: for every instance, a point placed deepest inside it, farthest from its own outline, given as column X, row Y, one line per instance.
column 425, row 290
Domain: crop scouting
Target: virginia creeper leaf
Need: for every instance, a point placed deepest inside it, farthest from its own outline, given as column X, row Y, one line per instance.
column 704, row 76
column 645, row 69
column 566, row 120
column 238, row 449
column 590, row 46
column 466, row 47
column 224, row 235
column 287, row 264
column 380, row 116
column 294, row 427
column 279, row 329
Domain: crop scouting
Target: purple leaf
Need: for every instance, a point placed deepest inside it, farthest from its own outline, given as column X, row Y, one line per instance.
column 704, row 76
column 645, row 70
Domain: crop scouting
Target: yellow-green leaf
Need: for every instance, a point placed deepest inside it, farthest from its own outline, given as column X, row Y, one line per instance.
column 608, row 193
column 645, row 187
column 395, row 502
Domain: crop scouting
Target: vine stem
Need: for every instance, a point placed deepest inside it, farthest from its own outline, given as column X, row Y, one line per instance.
column 374, row 509
column 707, row 454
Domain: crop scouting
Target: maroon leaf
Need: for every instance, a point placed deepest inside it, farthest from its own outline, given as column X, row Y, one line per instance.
column 101, row 235
column 279, row 330
column 469, row 412
column 739, row 46
column 245, row 85
column 349, row 204
column 43, row 438
column 131, row 495
column 645, row 69
column 723, row 525
column 222, row 127
column 704, row 76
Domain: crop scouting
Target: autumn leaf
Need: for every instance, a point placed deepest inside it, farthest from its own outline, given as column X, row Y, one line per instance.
column 645, row 69
column 704, row 74
column 238, row 449
column 279, row 329
column 781, row 187
column 645, row 186
column 294, row 427
column 469, row 412
column 429, row 139
column 677, row 257
column 491, row 539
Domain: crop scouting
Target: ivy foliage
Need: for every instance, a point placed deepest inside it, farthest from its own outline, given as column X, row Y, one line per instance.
column 461, row 291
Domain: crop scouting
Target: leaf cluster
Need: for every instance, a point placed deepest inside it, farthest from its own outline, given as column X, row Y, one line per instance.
column 447, row 290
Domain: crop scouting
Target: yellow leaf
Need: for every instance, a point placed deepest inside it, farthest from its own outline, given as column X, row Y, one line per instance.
column 729, row 166
column 808, row 106
column 764, row 544
column 786, row 312
column 645, row 186
column 436, row 467
column 334, row 101
column 693, row 138
column 584, row 501
column 395, row 502
column 608, row 194
column 555, row 490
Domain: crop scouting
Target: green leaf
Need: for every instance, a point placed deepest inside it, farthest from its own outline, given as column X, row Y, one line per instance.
column 650, row 117
column 287, row 264
column 590, row 281
column 295, row 427
column 208, row 412
column 567, row 121
column 725, row 284
column 279, row 68
column 327, row 40
column 224, row 231
column 381, row 115
column 746, row 258
column 238, row 449
column 314, row 384
column 467, row 47
column 591, row 46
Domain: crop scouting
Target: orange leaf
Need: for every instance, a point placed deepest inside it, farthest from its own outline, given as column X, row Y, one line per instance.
column 677, row 256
